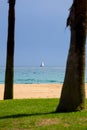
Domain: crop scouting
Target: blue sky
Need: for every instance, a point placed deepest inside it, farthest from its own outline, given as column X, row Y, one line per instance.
column 40, row 32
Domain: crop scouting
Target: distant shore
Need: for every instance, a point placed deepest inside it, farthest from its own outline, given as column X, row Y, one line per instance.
column 25, row 91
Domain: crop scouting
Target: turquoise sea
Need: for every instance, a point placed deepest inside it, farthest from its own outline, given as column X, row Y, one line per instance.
column 31, row 75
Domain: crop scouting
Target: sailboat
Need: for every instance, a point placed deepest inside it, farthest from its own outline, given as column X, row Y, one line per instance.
column 42, row 64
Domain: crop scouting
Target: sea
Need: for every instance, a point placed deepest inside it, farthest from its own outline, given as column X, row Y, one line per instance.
column 37, row 75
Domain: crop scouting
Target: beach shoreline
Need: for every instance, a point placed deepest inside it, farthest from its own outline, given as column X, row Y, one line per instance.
column 27, row 91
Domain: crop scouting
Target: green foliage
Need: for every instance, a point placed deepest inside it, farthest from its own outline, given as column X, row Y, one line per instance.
column 39, row 114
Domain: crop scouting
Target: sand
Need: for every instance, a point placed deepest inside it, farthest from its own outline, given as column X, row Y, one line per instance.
column 23, row 91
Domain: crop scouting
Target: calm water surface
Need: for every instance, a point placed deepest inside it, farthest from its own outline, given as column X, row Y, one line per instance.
column 31, row 75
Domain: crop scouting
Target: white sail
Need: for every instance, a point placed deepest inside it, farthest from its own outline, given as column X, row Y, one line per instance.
column 42, row 64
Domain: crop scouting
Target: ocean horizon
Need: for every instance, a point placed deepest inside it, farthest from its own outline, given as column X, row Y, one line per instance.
column 37, row 75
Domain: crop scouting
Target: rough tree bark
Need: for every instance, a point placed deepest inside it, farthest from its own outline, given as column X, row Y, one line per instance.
column 73, row 91
column 9, row 73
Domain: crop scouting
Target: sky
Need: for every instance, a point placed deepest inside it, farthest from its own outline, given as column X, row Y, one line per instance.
column 40, row 32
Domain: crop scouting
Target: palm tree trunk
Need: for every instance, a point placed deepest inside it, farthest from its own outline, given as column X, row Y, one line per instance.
column 73, row 91
column 9, row 74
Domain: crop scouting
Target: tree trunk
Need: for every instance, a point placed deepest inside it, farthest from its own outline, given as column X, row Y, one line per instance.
column 9, row 73
column 73, row 91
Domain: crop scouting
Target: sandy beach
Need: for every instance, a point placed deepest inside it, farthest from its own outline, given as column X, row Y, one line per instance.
column 22, row 91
